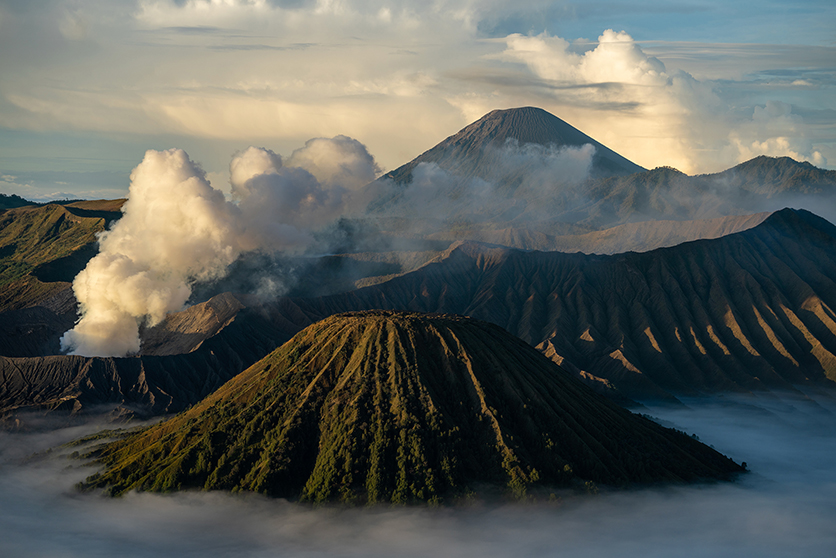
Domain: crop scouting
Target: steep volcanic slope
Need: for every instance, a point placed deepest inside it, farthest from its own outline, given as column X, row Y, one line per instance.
column 749, row 311
column 42, row 248
column 476, row 186
column 469, row 152
column 636, row 237
column 402, row 407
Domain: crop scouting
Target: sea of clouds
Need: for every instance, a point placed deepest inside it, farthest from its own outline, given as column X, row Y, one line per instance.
column 786, row 505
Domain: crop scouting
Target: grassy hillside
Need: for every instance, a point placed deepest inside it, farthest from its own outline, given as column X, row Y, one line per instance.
column 43, row 247
column 399, row 407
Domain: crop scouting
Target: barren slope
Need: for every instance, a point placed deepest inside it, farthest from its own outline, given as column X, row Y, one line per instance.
column 635, row 237
column 221, row 340
column 468, row 152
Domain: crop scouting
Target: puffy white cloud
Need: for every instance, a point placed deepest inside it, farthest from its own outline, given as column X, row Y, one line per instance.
column 628, row 100
column 617, row 58
column 336, row 162
column 544, row 180
column 398, row 75
column 774, row 131
column 277, row 201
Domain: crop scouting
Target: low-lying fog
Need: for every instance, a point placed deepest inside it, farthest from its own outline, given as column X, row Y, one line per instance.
column 785, row 507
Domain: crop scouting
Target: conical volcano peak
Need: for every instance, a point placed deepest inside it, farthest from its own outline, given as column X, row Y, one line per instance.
column 468, row 153
column 524, row 124
column 403, row 407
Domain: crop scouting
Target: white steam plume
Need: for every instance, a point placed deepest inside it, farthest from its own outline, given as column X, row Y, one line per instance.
column 177, row 229
column 283, row 202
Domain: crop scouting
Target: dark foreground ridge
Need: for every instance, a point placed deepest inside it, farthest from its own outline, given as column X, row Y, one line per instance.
column 402, row 407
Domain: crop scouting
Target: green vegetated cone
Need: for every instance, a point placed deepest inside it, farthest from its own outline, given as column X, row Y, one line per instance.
column 398, row 407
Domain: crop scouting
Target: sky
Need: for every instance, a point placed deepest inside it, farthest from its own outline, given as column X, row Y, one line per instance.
column 88, row 86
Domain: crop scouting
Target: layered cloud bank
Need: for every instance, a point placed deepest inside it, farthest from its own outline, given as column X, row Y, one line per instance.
column 177, row 229
column 400, row 76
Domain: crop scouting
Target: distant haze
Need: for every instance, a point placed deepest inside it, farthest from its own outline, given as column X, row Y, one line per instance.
column 178, row 229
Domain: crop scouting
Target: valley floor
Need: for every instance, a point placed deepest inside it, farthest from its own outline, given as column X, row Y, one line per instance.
column 786, row 506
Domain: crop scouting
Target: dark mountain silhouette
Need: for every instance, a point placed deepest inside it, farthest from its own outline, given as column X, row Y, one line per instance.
column 470, row 152
column 481, row 187
column 749, row 311
column 402, row 407
column 10, row 201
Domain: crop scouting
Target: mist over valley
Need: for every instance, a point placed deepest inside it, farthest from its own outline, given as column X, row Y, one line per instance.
column 783, row 507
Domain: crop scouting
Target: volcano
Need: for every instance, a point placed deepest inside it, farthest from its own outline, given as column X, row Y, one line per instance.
column 468, row 153
column 405, row 408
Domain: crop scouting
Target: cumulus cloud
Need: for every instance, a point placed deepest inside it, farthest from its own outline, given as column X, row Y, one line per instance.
column 774, row 131
column 656, row 115
column 338, row 162
column 177, row 229
column 285, row 200
column 666, row 110
column 617, row 58
column 399, row 76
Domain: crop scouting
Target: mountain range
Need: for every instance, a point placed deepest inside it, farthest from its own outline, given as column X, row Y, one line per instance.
column 739, row 300
column 513, row 176
column 752, row 311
